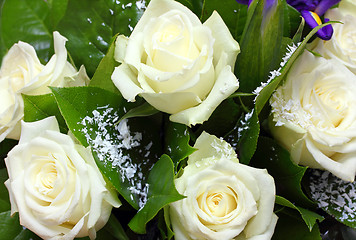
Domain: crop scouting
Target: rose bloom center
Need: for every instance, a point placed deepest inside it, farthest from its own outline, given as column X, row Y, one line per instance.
column 218, row 204
column 334, row 103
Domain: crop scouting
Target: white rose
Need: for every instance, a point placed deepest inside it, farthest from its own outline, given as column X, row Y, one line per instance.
column 342, row 46
column 224, row 199
column 179, row 65
column 22, row 73
column 314, row 115
column 348, row 7
column 55, row 184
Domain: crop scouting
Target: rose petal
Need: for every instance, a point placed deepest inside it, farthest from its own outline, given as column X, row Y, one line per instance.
column 120, row 48
column 126, row 82
column 225, row 85
column 171, row 102
column 209, row 146
column 160, row 7
column 224, row 42
column 345, row 169
column 34, row 129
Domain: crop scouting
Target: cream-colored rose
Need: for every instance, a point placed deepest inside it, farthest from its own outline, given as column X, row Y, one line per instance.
column 314, row 115
column 179, row 65
column 348, row 7
column 22, row 73
column 55, row 184
column 224, row 199
column 342, row 46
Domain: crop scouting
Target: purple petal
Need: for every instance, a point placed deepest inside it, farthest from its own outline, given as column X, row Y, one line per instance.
column 246, row 2
column 324, row 5
column 268, row 4
column 300, row 5
column 324, row 33
column 309, row 18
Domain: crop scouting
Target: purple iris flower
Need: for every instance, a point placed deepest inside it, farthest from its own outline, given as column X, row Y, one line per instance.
column 246, row 2
column 311, row 10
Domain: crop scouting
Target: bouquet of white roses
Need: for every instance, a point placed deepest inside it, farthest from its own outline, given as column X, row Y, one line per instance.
column 178, row 119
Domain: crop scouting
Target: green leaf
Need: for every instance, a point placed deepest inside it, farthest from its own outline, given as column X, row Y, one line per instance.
column 167, row 220
column 241, row 94
column 244, row 136
column 308, row 216
column 233, row 14
column 333, row 195
column 299, row 33
column 143, row 110
column 260, row 44
column 114, row 227
column 294, row 52
column 4, row 194
column 194, row 5
column 90, row 26
column 160, row 193
column 58, row 9
column 5, row 146
column 176, row 139
column 3, row 49
column 292, row 19
column 42, row 106
column 286, row 174
column 291, row 228
column 224, row 116
column 25, row 20
column 125, row 152
column 10, row 228
column 79, row 102
column 102, row 75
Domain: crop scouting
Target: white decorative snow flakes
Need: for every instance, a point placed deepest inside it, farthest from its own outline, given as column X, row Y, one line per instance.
column 275, row 73
column 110, row 141
column 334, row 195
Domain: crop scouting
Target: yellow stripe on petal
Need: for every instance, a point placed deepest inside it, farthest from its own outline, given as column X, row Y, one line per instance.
column 316, row 17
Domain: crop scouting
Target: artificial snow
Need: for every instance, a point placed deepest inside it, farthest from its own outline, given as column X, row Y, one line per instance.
column 275, row 73
column 111, row 141
column 333, row 193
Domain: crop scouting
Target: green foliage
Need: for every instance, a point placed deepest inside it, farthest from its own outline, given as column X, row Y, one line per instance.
column 57, row 11
column 260, row 43
column 4, row 194
column 333, row 195
column 286, row 174
column 5, row 146
column 194, row 5
column 292, row 228
column 90, row 26
column 308, row 216
column 102, row 75
column 31, row 15
column 143, row 110
column 76, row 103
column 10, row 228
column 233, row 14
column 244, row 136
column 267, row 91
column 115, row 159
column 224, row 116
column 292, row 19
column 160, row 193
column 176, row 140
column 42, row 106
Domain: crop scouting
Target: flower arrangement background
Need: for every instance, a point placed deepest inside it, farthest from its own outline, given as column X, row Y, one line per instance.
column 192, row 125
